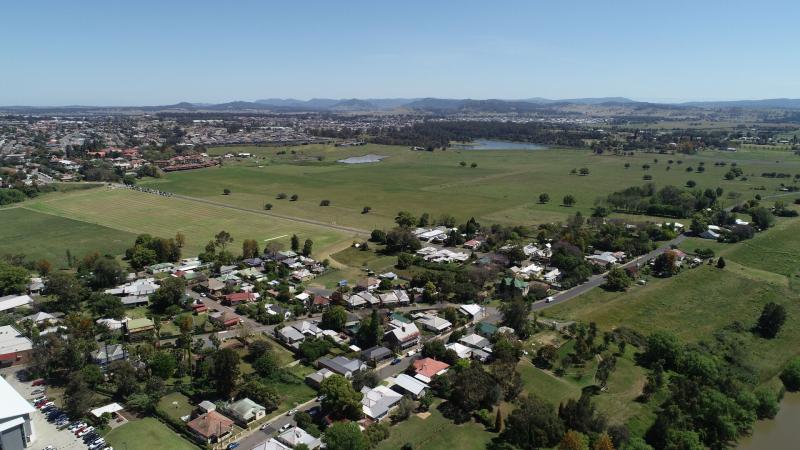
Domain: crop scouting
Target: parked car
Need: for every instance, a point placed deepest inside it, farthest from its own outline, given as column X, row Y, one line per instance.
column 549, row 300
column 233, row 445
column 38, row 382
column 396, row 361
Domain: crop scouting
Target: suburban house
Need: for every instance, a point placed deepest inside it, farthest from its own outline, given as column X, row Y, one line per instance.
column 462, row 351
column 340, row 365
column 237, row 298
column 137, row 326
column 606, row 258
column 39, row 318
column 368, row 284
column 362, row 299
column 210, row 427
column 160, row 268
column 138, row 288
column 14, row 347
column 295, row 436
column 397, row 296
column 315, row 379
column 106, row 354
column 515, row 287
column 403, row 337
column 271, row 444
column 132, row 301
column 16, row 429
column 486, row 329
column 375, row 355
column 429, row 367
column 15, row 301
column 378, row 401
column 475, row 341
column 552, row 275
column 245, row 411
column 435, row 324
column 290, row 336
column 35, row 286
column 473, row 311
column 225, row 318
column 111, row 324
column 320, row 302
column 472, row 244
column 278, row 310
column 406, row 384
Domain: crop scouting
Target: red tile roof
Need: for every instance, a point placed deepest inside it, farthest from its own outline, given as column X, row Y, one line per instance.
column 211, row 424
column 429, row 367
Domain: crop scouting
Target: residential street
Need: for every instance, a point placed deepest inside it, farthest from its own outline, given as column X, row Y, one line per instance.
column 597, row 280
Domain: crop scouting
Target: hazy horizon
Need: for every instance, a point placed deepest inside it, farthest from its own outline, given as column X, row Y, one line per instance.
column 157, row 53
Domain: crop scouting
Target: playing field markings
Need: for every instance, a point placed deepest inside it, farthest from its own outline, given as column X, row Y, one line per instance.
column 276, row 237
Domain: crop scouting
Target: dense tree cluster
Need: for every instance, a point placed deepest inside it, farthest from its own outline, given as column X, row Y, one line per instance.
column 436, row 134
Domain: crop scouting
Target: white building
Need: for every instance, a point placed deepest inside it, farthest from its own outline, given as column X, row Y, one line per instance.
column 16, row 428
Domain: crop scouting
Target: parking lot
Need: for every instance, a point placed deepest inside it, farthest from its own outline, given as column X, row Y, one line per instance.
column 46, row 433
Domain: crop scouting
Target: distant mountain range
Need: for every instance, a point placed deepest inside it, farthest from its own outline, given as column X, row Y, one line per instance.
column 430, row 104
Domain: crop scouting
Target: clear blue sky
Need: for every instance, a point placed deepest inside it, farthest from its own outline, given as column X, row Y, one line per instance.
column 160, row 52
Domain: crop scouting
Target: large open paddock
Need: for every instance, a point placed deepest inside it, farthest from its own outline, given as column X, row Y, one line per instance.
column 503, row 188
column 128, row 213
column 697, row 302
column 38, row 235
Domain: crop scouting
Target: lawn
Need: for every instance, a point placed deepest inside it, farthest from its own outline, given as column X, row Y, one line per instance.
column 545, row 385
column 39, row 235
column 147, row 434
column 293, row 394
column 129, row 213
column 176, row 405
column 503, row 188
column 435, row 433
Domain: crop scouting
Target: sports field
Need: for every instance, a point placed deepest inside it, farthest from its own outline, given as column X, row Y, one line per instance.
column 38, row 235
column 108, row 220
column 503, row 188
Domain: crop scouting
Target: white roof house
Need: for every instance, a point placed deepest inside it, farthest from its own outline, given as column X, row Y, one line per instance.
column 111, row 408
column 473, row 311
column 461, row 350
column 14, row 301
column 435, row 323
column 296, row 435
column 475, row 341
column 38, row 318
column 410, row 384
column 145, row 286
column 270, row 444
column 378, row 401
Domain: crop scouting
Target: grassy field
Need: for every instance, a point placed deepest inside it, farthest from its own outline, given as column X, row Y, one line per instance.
column 40, row 235
column 503, row 188
column 435, row 433
column 128, row 213
column 697, row 302
column 147, row 434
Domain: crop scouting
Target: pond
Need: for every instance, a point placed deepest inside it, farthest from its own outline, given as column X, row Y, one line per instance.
column 778, row 433
column 363, row 159
column 490, row 144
